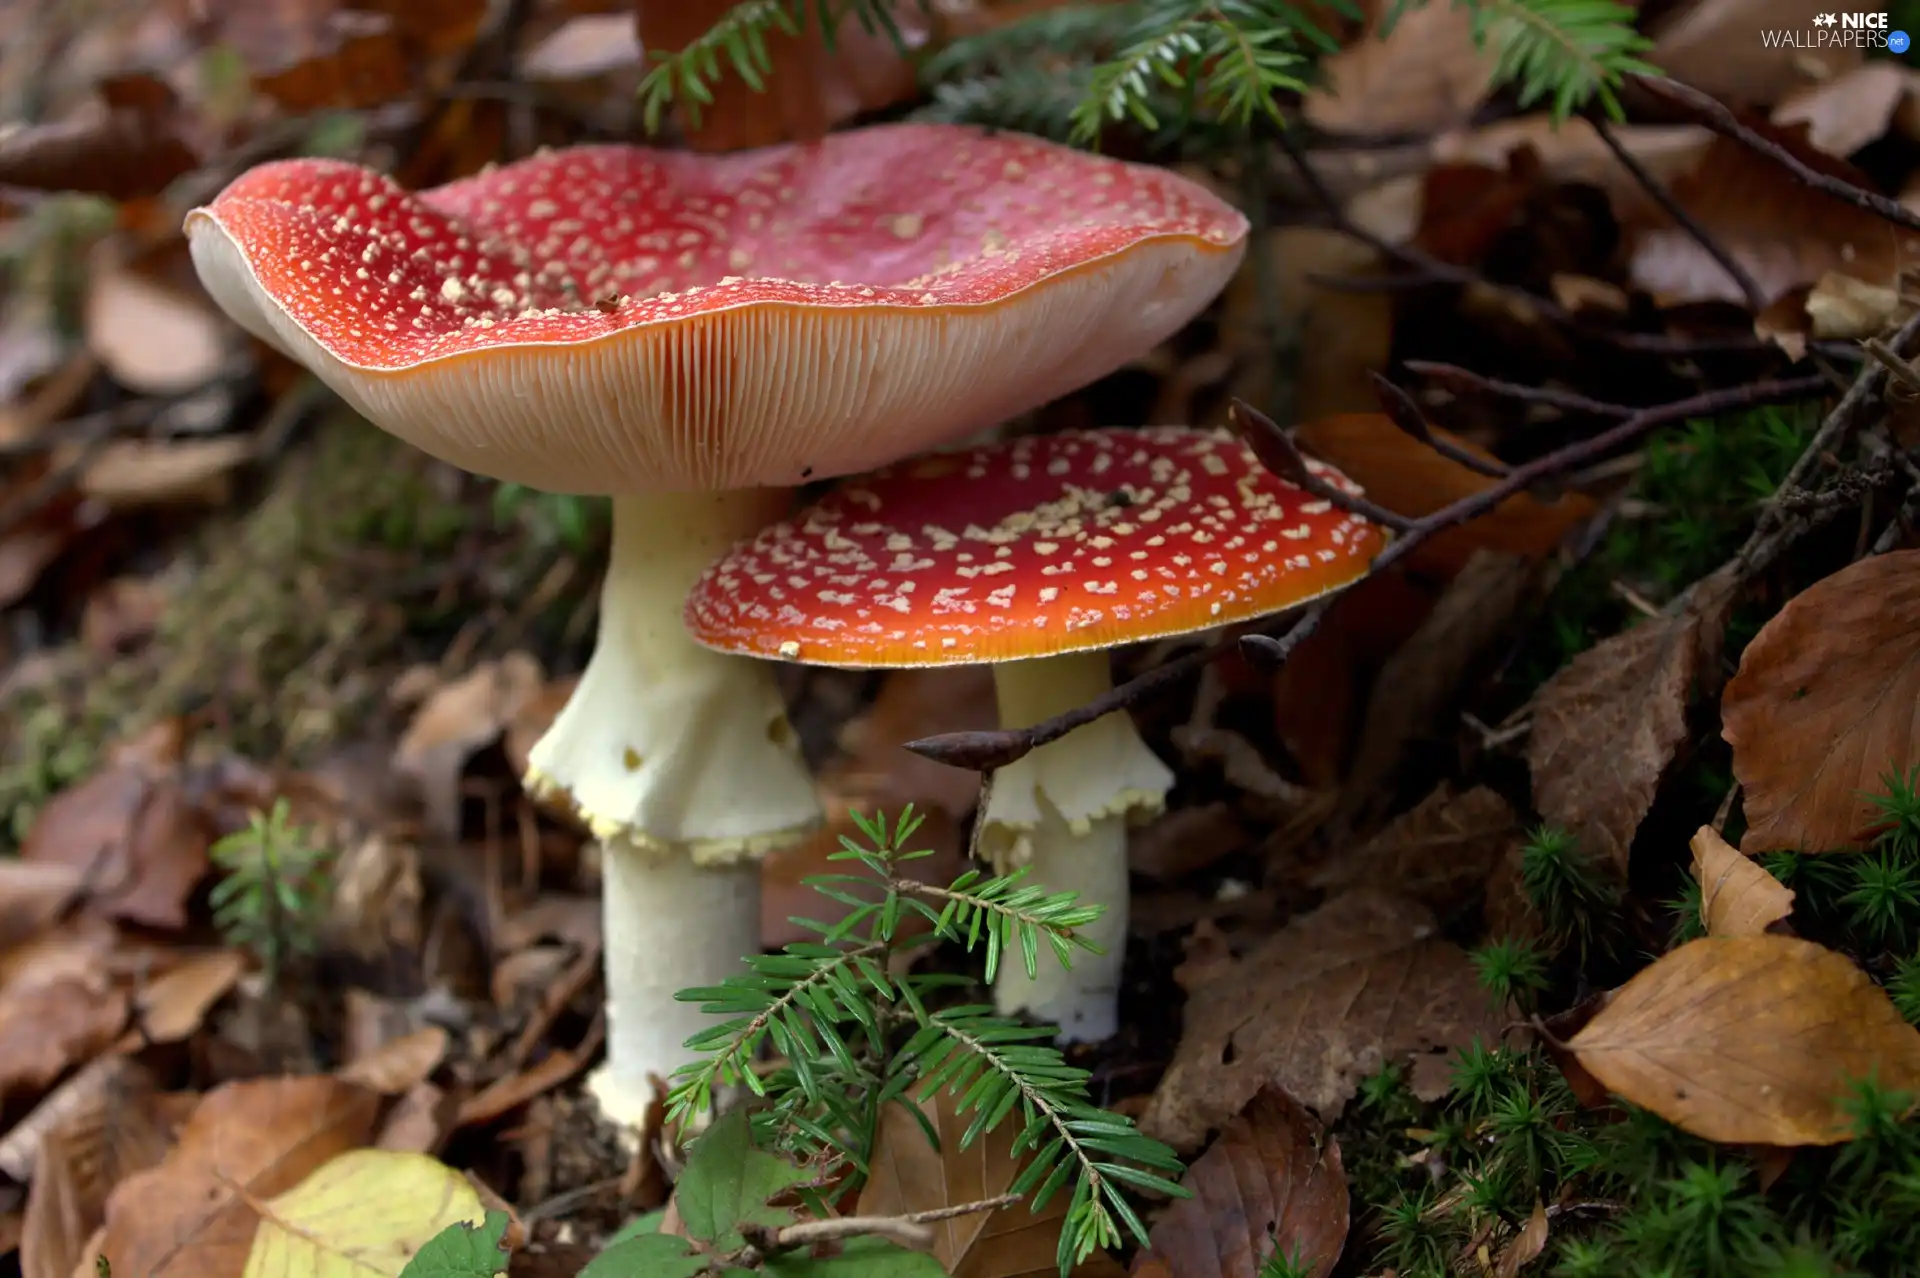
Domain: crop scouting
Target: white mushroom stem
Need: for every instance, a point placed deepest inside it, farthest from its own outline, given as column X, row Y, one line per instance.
column 681, row 762
column 1064, row 811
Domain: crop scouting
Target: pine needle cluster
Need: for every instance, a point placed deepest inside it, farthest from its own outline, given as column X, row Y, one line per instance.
column 1162, row 65
column 854, row 1033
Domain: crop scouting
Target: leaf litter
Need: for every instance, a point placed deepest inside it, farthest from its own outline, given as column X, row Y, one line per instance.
column 222, row 592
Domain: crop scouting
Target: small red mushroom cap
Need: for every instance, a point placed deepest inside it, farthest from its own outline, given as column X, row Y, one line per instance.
column 619, row 319
column 1033, row 547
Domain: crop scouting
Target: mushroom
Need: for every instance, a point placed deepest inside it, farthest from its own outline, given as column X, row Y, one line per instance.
column 1037, row 555
column 696, row 335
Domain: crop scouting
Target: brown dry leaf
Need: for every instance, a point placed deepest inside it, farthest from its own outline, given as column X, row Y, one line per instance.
column 1364, row 980
column 126, row 1128
column 48, row 1026
column 1783, row 233
column 1607, row 725
column 583, row 47
column 154, row 339
column 400, row 1065
column 457, row 720
column 1715, row 46
column 1420, row 687
column 189, row 1217
column 1411, row 479
column 174, row 1005
column 910, row 1175
column 1573, row 152
column 129, row 145
column 1524, row 1247
column 1842, row 308
column 134, row 473
column 1428, row 73
column 1271, row 1183
column 1750, row 1040
column 33, row 894
column 1852, row 109
column 809, row 90
column 310, row 55
column 1825, row 704
column 1440, row 852
column 1737, row 897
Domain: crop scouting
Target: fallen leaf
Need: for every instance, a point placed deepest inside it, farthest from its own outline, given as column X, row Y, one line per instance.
column 456, row 721
column 400, row 1065
column 1785, row 234
column 1750, row 1040
column 1419, row 689
column 1439, row 853
column 1737, row 897
column 584, row 47
column 47, row 1027
column 364, row 1212
column 130, row 474
column 133, row 829
column 153, row 339
column 1360, row 982
column 1842, row 308
column 1824, row 706
column 1426, row 73
column 176, row 1003
column 33, row 894
column 1411, row 479
column 1524, row 1247
column 1715, row 46
column 910, row 1175
column 1270, row 1184
column 124, row 1128
column 1606, row 727
column 1850, row 110
column 123, row 147
column 192, row 1216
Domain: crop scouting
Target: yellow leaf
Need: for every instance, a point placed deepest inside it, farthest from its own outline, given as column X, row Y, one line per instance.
column 362, row 1214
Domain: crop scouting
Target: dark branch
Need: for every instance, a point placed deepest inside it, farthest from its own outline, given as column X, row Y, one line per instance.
column 1465, row 379
column 1279, row 454
column 1404, row 413
column 1710, row 113
column 987, row 751
column 1742, row 278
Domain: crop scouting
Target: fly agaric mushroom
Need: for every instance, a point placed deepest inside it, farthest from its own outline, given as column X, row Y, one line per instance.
column 695, row 335
column 1038, row 554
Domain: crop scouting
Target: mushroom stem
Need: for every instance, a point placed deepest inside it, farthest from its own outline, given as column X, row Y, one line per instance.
column 681, row 762
column 1063, row 810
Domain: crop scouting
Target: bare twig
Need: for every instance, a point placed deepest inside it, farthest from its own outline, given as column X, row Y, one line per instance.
column 1404, row 413
column 1710, row 113
column 1464, row 379
column 1742, row 278
column 986, row 751
column 1279, row 454
column 1897, row 367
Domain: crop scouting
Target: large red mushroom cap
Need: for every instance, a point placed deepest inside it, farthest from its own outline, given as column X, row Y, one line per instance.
column 1033, row 547
column 617, row 319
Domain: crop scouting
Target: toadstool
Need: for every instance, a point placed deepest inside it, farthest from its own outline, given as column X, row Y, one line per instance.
column 696, row 335
column 1038, row 554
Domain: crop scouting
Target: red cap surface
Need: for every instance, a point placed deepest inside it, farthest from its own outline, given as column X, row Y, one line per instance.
column 1033, row 547
column 618, row 319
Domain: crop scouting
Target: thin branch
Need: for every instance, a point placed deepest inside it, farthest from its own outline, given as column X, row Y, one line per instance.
column 1279, row 454
column 1711, row 114
column 987, row 751
column 1404, row 413
column 1896, row 366
column 1465, row 379
column 1742, row 278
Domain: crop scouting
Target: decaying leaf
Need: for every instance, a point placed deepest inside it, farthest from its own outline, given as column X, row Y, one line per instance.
column 1850, row 110
column 364, row 1213
column 1427, row 73
column 1272, row 1182
column 1737, row 897
column 1364, row 980
column 1750, row 1040
column 153, row 339
column 1411, row 479
column 1439, row 852
column 1607, row 725
column 128, row 145
column 909, row 1175
column 1826, row 703
column 190, row 1217
column 457, row 719
column 1714, row 46
column 1524, row 1247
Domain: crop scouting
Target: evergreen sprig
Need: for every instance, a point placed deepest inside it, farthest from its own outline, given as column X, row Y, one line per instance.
column 1073, row 70
column 854, row 1035
column 272, row 896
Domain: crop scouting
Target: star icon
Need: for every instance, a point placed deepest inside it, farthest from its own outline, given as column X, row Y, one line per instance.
column 1825, row 20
